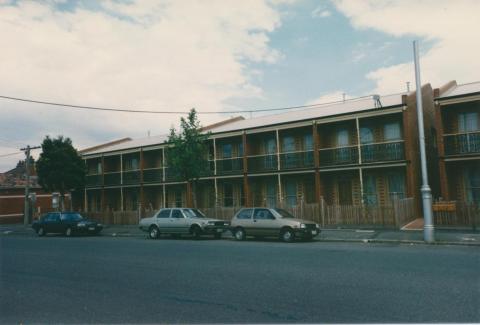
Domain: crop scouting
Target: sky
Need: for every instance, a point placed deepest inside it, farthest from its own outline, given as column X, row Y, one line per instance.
column 218, row 55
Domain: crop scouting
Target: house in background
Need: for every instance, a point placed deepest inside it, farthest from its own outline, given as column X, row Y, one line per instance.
column 12, row 195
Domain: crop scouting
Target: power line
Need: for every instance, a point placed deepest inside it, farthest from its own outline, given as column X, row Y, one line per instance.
column 10, row 154
column 175, row 112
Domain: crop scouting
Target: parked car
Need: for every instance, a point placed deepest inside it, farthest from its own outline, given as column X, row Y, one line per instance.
column 178, row 221
column 271, row 222
column 67, row 223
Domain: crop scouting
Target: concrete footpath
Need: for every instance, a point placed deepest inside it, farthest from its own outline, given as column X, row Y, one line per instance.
column 442, row 236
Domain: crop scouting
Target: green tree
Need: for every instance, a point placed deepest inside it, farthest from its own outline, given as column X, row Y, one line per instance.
column 59, row 167
column 187, row 154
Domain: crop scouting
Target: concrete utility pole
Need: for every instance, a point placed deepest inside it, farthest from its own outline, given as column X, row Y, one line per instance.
column 26, row 213
column 428, row 231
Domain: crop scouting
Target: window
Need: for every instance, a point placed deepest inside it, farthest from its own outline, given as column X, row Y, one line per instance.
column 366, row 135
column 369, row 189
column 289, row 146
column 71, row 217
column 227, row 150
column 472, row 181
column 270, row 146
column 245, row 214
column 165, row 213
column 228, row 195
column 271, row 197
column 308, row 142
column 99, row 168
column 342, row 138
column 131, row 163
column 291, row 192
column 263, row 214
column 177, row 214
column 391, row 131
column 52, row 217
column 396, row 185
column 468, row 122
column 193, row 213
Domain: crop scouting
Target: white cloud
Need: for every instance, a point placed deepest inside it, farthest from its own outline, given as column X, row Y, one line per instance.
column 452, row 27
column 158, row 55
column 321, row 12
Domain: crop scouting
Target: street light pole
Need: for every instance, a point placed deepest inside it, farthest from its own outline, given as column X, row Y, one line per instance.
column 428, row 230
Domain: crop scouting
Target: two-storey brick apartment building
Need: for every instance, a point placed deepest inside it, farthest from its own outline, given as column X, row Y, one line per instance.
column 457, row 115
column 355, row 152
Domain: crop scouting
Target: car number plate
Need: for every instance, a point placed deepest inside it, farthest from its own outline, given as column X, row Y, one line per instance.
column 219, row 230
column 314, row 232
column 91, row 228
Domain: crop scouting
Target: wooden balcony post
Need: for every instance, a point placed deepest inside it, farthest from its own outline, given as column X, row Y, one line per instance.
column 441, row 153
column 214, row 157
column 246, row 187
column 316, row 156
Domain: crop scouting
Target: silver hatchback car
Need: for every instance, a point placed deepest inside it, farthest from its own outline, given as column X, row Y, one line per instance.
column 271, row 222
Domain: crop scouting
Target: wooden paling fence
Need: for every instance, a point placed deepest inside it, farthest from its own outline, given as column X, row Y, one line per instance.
column 448, row 214
column 395, row 215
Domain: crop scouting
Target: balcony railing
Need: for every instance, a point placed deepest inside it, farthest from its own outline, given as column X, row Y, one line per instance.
column 387, row 151
column 460, row 144
column 229, row 166
column 339, row 156
column 112, row 179
column 262, row 163
column 131, row 177
column 296, row 160
column 94, row 180
column 154, row 175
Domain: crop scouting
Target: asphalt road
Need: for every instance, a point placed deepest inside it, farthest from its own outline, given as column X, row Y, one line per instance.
column 135, row 280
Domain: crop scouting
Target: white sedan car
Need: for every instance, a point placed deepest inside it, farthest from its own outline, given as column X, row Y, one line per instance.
column 182, row 221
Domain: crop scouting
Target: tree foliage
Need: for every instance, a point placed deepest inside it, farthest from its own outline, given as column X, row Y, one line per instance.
column 187, row 155
column 59, row 167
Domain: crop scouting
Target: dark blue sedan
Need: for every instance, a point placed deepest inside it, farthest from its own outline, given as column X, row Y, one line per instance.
column 67, row 223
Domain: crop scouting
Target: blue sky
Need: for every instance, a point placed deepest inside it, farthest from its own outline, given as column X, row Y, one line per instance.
column 213, row 55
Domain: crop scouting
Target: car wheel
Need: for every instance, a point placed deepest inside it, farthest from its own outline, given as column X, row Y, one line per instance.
column 68, row 232
column 196, row 232
column 239, row 234
column 41, row 232
column 287, row 235
column 217, row 235
column 153, row 232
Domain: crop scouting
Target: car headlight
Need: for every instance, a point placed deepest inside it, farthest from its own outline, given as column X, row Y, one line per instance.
column 303, row 226
column 226, row 223
column 211, row 223
column 317, row 225
column 81, row 224
column 99, row 225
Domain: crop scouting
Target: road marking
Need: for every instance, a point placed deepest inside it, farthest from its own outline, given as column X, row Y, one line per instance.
column 360, row 230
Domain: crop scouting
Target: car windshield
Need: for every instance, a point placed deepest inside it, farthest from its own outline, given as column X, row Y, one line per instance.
column 284, row 213
column 72, row 216
column 193, row 213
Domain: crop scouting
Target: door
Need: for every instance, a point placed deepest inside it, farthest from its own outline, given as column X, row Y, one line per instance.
column 52, row 223
column 163, row 219
column 177, row 222
column 289, row 149
column 244, row 220
column 264, row 223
